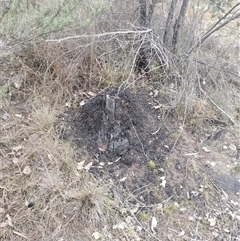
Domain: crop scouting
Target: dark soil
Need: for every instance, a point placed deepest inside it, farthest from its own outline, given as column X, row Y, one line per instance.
column 124, row 138
column 120, row 139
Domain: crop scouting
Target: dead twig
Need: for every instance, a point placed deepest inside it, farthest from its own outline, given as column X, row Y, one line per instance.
column 100, row 35
column 218, row 25
column 21, row 235
column 220, row 69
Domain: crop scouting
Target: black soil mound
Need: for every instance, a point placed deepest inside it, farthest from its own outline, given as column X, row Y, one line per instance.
column 122, row 133
column 121, row 136
column 121, row 125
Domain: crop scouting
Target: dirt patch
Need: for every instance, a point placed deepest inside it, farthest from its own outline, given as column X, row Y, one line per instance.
column 123, row 135
column 222, row 155
column 158, row 168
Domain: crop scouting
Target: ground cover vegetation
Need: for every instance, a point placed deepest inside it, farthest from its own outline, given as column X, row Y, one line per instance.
column 119, row 120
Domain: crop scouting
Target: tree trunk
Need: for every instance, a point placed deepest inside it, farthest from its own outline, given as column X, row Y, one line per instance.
column 143, row 13
column 168, row 26
column 178, row 24
column 142, row 62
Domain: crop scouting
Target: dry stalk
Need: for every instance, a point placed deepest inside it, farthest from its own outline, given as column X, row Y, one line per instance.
column 101, row 35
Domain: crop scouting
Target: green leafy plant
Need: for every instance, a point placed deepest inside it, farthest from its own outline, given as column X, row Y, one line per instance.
column 151, row 164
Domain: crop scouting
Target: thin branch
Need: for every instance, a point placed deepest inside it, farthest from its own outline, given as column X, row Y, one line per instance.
column 100, row 35
column 209, row 33
column 220, row 69
column 21, row 235
column 222, row 18
column 215, row 28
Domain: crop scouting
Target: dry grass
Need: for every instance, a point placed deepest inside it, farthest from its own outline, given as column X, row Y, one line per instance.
column 43, row 195
column 41, row 169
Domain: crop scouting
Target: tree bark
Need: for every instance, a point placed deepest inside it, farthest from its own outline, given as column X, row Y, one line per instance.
column 142, row 60
column 143, row 13
column 151, row 11
column 168, row 26
column 178, row 24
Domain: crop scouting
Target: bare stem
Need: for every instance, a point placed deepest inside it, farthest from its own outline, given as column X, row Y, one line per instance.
column 216, row 27
column 100, row 35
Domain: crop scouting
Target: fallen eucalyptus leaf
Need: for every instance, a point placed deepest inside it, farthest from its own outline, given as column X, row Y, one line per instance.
column 121, row 226
column 204, row 148
column 97, row 235
column 212, row 221
column 153, row 224
column 123, row 179
column 88, row 166
column 181, row 234
column 17, row 148
column 80, row 165
column 15, row 160
column 27, row 170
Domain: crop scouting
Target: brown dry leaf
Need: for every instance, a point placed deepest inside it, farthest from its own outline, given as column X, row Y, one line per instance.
column 3, row 224
column 80, row 165
column 215, row 233
column 15, row 160
column 121, row 226
column 97, row 235
column 27, row 170
column 6, row 116
column 163, row 184
column 226, row 230
column 102, row 149
column 212, row 222
column 204, row 148
column 83, row 102
column 157, row 107
column 88, row 166
column 181, row 233
column 50, row 157
column 153, row 224
column 68, row 104
column 123, row 179
column 19, row 116
column 17, row 148
column 225, row 195
column 9, row 220
column 91, row 94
